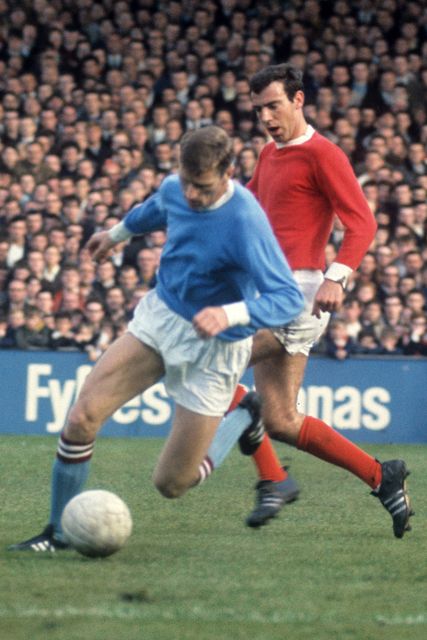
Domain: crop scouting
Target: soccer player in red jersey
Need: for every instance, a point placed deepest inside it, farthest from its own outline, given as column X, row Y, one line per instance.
column 302, row 180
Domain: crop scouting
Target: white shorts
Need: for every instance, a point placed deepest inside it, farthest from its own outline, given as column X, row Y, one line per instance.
column 201, row 375
column 300, row 335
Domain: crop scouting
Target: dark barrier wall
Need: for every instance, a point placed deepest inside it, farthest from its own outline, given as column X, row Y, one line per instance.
column 378, row 400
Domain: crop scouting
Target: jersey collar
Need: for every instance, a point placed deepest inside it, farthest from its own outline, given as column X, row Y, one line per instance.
column 300, row 140
column 224, row 198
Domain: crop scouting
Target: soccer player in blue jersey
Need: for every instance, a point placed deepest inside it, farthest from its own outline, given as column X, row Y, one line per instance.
column 222, row 277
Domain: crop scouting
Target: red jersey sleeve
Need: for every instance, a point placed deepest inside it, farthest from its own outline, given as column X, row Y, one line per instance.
column 336, row 179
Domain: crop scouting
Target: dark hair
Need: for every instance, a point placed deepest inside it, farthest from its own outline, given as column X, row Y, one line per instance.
column 290, row 77
column 206, row 149
column 59, row 315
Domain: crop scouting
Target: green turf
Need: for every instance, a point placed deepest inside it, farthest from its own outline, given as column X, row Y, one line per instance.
column 327, row 568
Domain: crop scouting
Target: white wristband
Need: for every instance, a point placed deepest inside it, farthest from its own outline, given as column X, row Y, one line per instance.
column 237, row 313
column 338, row 272
column 119, row 232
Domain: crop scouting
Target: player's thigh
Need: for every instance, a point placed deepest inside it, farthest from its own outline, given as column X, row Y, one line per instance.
column 178, row 465
column 127, row 368
column 265, row 345
column 278, row 380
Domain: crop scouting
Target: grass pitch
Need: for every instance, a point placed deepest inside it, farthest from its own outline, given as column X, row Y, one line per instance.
column 327, row 568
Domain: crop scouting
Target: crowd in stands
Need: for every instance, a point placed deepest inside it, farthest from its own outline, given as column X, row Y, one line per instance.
column 95, row 96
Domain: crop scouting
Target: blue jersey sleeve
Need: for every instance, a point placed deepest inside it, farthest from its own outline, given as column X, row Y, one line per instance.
column 148, row 216
column 280, row 300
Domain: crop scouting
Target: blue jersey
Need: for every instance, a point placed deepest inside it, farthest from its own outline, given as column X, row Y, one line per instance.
column 219, row 256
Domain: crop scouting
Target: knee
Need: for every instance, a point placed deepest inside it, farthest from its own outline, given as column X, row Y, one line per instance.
column 168, row 487
column 279, row 433
column 82, row 423
column 284, row 428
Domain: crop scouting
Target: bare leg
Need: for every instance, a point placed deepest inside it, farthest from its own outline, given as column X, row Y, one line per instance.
column 264, row 346
column 178, row 466
column 279, row 380
column 127, row 368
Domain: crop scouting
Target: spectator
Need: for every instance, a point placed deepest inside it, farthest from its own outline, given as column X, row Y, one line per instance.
column 388, row 281
column 245, row 166
column 389, row 343
column 157, row 129
column 36, row 263
column 367, row 270
column 414, row 342
column 69, row 281
column 413, row 264
column 16, row 296
column 423, row 278
column 224, row 119
column 393, row 312
column 338, row 344
column 85, row 336
column 17, row 234
column 367, row 342
column 70, row 157
column 35, row 223
column 34, row 163
column 105, row 279
column 351, row 313
column 384, row 256
column 147, row 266
column 366, row 292
column 164, row 159
column 62, row 337
column 52, row 266
column 33, row 335
column 416, row 162
column 11, row 322
column 97, row 149
column 44, row 301
column 33, row 285
column 115, row 303
column 95, row 313
column 414, row 303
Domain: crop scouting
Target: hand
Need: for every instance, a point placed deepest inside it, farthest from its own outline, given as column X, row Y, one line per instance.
column 210, row 321
column 329, row 297
column 341, row 354
column 99, row 245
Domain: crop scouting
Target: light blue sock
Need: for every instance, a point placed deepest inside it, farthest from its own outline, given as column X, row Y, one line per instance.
column 67, row 481
column 69, row 474
column 229, row 431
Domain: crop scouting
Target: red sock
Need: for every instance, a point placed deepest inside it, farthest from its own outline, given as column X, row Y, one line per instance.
column 265, row 457
column 239, row 394
column 267, row 463
column 319, row 439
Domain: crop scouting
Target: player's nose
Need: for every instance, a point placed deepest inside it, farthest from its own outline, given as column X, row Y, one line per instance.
column 191, row 192
column 264, row 115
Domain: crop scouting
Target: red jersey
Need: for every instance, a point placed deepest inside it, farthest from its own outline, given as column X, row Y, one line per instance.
column 301, row 187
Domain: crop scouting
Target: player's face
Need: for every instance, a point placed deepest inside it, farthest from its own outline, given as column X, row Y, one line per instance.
column 282, row 118
column 203, row 190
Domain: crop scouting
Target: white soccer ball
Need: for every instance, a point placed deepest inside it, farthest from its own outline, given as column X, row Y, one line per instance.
column 96, row 523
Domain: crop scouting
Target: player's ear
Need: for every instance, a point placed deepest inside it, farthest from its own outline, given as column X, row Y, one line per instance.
column 299, row 99
column 229, row 173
